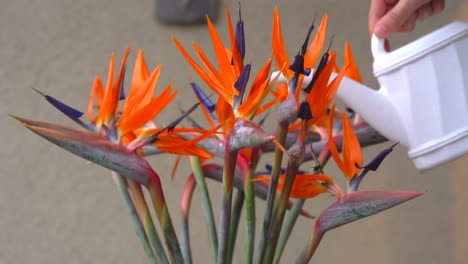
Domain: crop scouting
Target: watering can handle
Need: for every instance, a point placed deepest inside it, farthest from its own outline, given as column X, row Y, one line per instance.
column 377, row 46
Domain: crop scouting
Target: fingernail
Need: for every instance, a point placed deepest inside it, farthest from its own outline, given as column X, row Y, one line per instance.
column 381, row 31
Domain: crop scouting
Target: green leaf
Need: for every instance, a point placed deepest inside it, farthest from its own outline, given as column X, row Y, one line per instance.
column 95, row 148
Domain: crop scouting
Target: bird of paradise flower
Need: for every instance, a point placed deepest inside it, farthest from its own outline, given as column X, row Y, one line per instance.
column 114, row 140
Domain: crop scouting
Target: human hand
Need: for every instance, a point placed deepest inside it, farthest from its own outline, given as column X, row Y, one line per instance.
column 388, row 16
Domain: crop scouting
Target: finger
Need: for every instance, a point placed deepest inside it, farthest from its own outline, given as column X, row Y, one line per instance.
column 438, row 6
column 409, row 24
column 425, row 11
column 376, row 11
column 387, row 45
column 394, row 19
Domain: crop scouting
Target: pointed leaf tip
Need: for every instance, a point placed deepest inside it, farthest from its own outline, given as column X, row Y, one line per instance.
column 357, row 205
column 99, row 150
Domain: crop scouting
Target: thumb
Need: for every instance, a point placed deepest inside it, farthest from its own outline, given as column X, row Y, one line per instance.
column 395, row 17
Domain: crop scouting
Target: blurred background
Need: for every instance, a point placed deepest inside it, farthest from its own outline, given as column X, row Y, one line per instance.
column 57, row 208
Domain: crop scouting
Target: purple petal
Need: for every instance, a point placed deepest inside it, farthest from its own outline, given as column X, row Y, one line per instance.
column 67, row 110
column 322, row 64
column 240, row 36
column 204, row 99
column 298, row 65
column 306, row 41
column 305, row 113
column 374, row 164
column 122, row 91
column 70, row 112
column 241, row 84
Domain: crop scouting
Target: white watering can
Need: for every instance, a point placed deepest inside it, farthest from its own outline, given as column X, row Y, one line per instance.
column 423, row 97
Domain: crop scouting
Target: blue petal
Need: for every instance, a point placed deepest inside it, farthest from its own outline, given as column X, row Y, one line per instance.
column 67, row 110
column 305, row 113
column 204, row 99
column 298, row 65
column 306, row 41
column 374, row 164
column 240, row 85
column 70, row 112
column 322, row 64
column 111, row 133
column 240, row 36
column 122, row 91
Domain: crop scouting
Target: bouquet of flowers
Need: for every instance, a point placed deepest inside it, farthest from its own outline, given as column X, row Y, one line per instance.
column 310, row 130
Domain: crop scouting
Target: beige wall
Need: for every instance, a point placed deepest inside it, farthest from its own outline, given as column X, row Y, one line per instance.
column 57, row 208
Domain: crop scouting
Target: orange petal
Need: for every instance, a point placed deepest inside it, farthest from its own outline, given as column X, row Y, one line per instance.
column 98, row 91
column 107, row 109
column 146, row 113
column 307, row 186
column 236, row 55
column 331, row 142
column 141, row 96
column 310, row 185
column 322, row 93
column 140, row 73
column 320, row 86
column 225, row 115
column 223, row 62
column 352, row 71
column 171, row 143
column 279, row 50
column 120, row 78
column 260, row 88
column 352, row 152
column 206, row 62
column 207, row 78
column 313, row 52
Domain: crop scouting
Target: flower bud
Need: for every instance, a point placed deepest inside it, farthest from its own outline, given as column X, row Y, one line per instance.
column 247, row 134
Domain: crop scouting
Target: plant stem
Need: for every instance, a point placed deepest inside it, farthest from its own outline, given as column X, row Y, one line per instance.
column 311, row 248
column 280, row 209
column 132, row 212
column 164, row 219
column 230, row 159
column 288, row 227
column 185, row 204
column 282, row 131
column 147, row 220
column 297, row 206
column 185, row 241
column 236, row 214
column 206, row 201
column 250, row 219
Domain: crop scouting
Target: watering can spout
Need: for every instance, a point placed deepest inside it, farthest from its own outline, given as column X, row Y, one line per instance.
column 375, row 107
